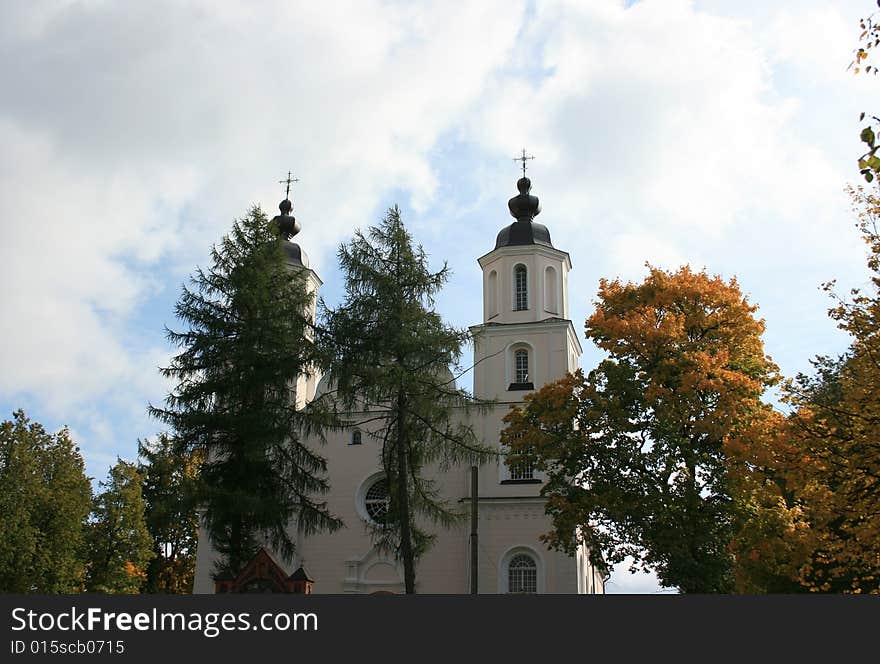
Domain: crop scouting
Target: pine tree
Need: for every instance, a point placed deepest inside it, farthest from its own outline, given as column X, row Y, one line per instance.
column 247, row 342
column 120, row 546
column 44, row 503
column 391, row 355
column 169, row 488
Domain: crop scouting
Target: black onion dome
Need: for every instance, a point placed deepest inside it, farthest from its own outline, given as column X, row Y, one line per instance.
column 288, row 226
column 286, row 223
column 524, row 208
column 520, row 232
column 295, row 254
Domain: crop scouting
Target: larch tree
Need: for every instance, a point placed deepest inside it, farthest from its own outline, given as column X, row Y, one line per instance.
column 120, row 546
column 246, row 343
column 45, row 499
column 390, row 358
column 635, row 451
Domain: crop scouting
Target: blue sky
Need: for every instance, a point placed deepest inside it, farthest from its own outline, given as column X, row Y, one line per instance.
column 718, row 134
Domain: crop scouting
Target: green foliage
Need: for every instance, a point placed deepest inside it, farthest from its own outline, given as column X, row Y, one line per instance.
column 246, row 344
column 869, row 163
column 120, row 546
column 390, row 357
column 44, row 503
column 170, row 494
column 869, row 39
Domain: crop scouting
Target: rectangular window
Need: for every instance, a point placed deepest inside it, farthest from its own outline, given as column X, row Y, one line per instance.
column 525, row 470
column 523, row 581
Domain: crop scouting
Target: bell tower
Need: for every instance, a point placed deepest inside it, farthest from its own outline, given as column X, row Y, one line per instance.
column 296, row 258
column 526, row 338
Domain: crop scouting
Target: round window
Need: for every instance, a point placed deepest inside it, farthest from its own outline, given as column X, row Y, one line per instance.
column 377, row 500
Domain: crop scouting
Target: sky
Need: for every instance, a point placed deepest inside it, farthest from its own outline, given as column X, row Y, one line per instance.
column 715, row 133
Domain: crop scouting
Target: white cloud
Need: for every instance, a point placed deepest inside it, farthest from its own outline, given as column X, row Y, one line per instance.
column 668, row 132
column 625, row 581
column 136, row 133
column 630, row 251
column 128, row 121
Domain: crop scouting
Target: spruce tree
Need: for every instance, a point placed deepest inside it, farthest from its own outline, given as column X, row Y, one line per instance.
column 391, row 355
column 247, row 342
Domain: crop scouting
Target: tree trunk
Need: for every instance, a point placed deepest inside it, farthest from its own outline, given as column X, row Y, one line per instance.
column 406, row 549
column 236, row 549
column 692, row 510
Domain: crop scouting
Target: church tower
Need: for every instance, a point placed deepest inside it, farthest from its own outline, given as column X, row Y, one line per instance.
column 526, row 338
column 525, row 341
column 263, row 573
column 297, row 260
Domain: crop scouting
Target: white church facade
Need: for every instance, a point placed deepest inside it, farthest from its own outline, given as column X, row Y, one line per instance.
column 524, row 341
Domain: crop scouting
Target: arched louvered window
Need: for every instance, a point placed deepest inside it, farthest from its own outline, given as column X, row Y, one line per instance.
column 521, row 366
column 550, row 290
column 492, row 294
column 522, row 574
column 520, row 288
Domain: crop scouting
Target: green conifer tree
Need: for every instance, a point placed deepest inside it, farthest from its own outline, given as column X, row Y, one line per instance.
column 391, row 358
column 247, row 342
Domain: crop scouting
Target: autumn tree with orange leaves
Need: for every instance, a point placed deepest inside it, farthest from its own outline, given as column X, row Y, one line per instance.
column 810, row 482
column 829, row 461
column 839, row 423
column 770, row 476
column 634, row 452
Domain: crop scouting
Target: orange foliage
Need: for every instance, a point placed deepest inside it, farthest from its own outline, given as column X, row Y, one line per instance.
column 812, row 480
column 638, row 447
column 837, row 423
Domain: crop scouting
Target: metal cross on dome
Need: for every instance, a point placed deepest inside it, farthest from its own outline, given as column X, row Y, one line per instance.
column 524, row 158
column 288, row 182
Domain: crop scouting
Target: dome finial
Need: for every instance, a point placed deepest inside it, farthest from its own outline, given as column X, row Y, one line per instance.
column 290, row 181
column 524, row 158
column 287, row 224
column 524, row 207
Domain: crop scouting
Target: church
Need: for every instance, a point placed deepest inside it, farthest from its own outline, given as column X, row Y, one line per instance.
column 525, row 340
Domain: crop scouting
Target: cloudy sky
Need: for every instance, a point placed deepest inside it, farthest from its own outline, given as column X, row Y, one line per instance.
column 715, row 133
